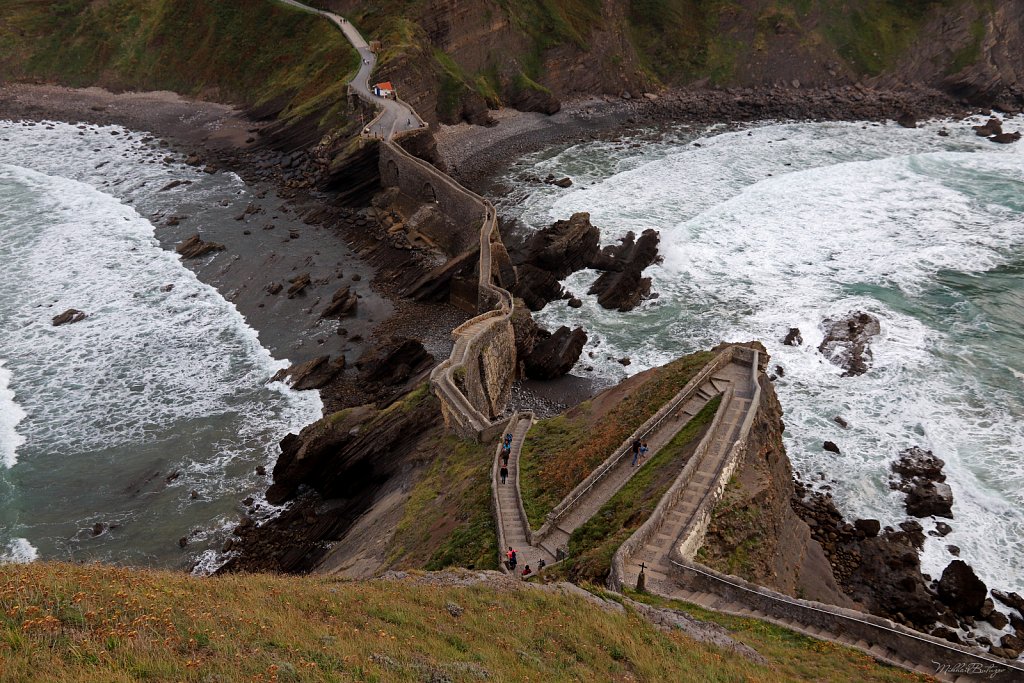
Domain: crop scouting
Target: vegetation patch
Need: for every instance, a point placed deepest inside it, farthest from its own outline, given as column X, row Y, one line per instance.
column 448, row 519
column 794, row 657
column 592, row 546
column 560, row 452
column 244, row 53
column 736, row 535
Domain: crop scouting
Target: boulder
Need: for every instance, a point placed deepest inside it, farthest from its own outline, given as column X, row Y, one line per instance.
column 846, row 342
column 943, row 529
column 997, row 619
column 870, row 527
column 72, row 315
column 622, row 286
column 537, row 287
column 393, row 361
column 831, row 447
column 907, row 120
column 991, row 127
column 1013, row 600
column 917, row 462
column 194, row 247
column 961, row 589
column 313, row 374
column 1006, row 138
column 562, row 182
column 793, row 337
column 565, row 247
column 929, row 498
column 342, row 305
column 298, row 284
column 555, row 354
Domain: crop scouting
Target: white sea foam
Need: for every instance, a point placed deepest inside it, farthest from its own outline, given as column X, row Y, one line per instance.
column 174, row 380
column 18, row 551
column 10, row 415
column 784, row 225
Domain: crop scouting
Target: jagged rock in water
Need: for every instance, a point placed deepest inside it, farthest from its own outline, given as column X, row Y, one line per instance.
column 342, row 305
column 555, row 354
column 917, row 462
column 793, row 337
column 847, row 340
column 961, row 589
column 565, row 247
column 313, row 374
column 929, row 498
column 623, row 286
column 907, row 120
column 991, row 127
column 1006, row 138
column 538, row 287
column 1010, row 599
column 194, row 247
column 72, row 315
column 393, row 361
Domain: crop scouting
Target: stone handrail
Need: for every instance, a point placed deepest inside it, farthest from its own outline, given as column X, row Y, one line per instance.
column 617, row 576
column 843, row 624
column 568, row 503
column 692, row 537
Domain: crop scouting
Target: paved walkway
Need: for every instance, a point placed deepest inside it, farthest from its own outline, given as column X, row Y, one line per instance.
column 397, row 116
column 511, row 518
column 590, row 501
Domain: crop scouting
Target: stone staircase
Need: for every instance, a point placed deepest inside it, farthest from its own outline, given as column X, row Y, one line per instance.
column 584, row 501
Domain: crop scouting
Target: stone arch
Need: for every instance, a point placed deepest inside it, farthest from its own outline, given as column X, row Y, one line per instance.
column 427, row 193
column 392, row 172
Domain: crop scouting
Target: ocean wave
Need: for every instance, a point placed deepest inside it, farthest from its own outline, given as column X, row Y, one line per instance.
column 10, row 415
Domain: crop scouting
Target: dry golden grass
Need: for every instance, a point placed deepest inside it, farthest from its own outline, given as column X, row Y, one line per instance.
column 61, row 622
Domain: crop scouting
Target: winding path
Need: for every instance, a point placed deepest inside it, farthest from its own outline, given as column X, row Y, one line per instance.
column 667, row 542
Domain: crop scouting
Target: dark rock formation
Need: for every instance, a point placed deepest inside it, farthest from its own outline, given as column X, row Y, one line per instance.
column 298, row 285
column 907, row 120
column 1006, row 138
column 831, row 447
column 991, row 127
column 922, row 480
column 847, row 340
column 622, row 285
column 1010, row 599
column 342, row 305
column 538, row 287
column 793, row 337
column 565, row 247
column 961, row 589
column 555, row 354
column 870, row 527
column 313, row 374
column 194, row 247
column 393, row 361
column 72, row 315
column 928, row 498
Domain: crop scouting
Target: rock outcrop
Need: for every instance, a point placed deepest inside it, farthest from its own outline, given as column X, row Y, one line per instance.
column 847, row 341
column 342, row 305
column 622, row 286
column 554, row 353
column 962, row 590
column 72, row 315
column 568, row 246
column 393, row 361
column 921, row 478
column 312, row 374
column 194, row 247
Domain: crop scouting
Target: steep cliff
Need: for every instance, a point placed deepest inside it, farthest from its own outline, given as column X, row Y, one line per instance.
column 454, row 58
column 754, row 532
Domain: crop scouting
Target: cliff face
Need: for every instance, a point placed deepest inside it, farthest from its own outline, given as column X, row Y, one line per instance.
column 754, row 532
column 452, row 58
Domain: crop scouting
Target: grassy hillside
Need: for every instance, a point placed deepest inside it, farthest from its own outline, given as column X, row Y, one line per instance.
column 249, row 53
column 560, row 452
column 62, row 622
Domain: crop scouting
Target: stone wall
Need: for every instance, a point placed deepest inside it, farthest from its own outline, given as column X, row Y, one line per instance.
column 419, row 180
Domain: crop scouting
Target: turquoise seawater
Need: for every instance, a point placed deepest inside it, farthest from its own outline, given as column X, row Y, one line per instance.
column 783, row 225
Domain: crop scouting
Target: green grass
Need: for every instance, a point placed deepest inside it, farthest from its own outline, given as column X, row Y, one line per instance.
column 102, row 624
column 794, row 657
column 560, row 452
column 592, row 545
column 244, row 53
column 447, row 520
column 970, row 53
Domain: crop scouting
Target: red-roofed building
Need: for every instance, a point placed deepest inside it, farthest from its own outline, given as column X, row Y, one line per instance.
column 384, row 89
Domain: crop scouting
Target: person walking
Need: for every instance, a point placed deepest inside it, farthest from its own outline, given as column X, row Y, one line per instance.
column 636, row 451
column 511, row 562
column 527, row 571
column 643, row 450
column 505, row 453
column 504, row 473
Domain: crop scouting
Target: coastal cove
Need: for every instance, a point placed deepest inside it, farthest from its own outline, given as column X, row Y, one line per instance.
column 767, row 227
